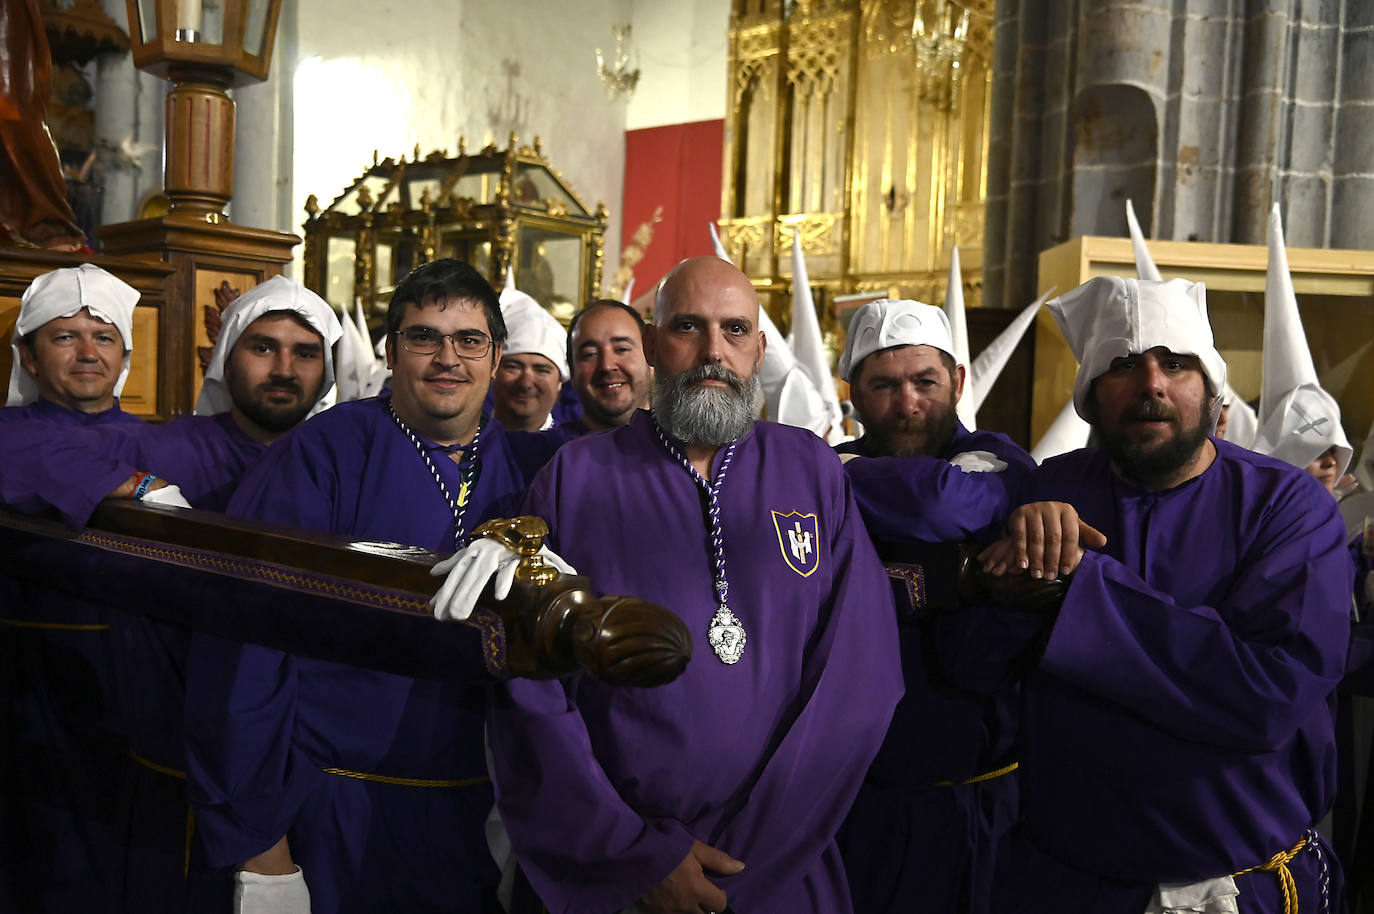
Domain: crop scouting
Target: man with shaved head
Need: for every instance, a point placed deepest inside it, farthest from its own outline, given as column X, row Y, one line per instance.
column 727, row 786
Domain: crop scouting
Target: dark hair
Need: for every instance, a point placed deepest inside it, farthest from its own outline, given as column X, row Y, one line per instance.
column 594, row 305
column 440, row 280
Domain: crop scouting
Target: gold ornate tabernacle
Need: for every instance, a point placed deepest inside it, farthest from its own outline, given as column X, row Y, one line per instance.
column 863, row 125
column 496, row 208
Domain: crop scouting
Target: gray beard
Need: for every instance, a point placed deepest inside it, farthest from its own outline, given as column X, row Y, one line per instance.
column 708, row 415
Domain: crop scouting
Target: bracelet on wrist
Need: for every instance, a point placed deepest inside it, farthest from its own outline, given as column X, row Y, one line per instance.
column 145, row 482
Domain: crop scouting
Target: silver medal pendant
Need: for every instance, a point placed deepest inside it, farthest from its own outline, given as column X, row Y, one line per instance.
column 726, row 636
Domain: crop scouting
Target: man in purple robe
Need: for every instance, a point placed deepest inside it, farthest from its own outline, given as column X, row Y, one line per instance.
column 728, row 785
column 609, row 373
column 1177, row 741
column 271, row 365
column 369, row 787
column 71, row 350
column 941, row 793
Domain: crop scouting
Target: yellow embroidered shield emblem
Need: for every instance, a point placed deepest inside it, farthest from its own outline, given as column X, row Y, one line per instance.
column 799, row 538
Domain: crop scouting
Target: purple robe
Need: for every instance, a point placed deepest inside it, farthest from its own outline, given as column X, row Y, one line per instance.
column 65, row 757
column 534, row 449
column 602, row 789
column 920, row 838
column 263, row 725
column 1178, row 722
column 930, row 501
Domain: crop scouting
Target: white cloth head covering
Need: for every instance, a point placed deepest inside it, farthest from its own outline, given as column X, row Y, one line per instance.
column 890, row 322
column 1109, row 317
column 531, row 329
column 276, row 294
column 62, row 293
column 1298, row 420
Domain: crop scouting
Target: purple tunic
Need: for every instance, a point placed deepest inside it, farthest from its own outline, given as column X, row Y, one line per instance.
column 920, row 838
column 926, row 499
column 603, row 790
column 65, row 757
column 1179, row 721
column 534, row 449
column 263, row 726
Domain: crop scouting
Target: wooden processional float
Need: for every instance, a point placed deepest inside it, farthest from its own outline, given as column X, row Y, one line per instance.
column 335, row 598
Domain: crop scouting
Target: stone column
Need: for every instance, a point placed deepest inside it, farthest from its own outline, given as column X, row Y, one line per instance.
column 1353, row 167
column 264, row 139
column 128, row 118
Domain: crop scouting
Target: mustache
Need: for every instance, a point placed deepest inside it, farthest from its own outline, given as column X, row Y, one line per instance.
column 712, row 372
column 292, row 387
column 1151, row 411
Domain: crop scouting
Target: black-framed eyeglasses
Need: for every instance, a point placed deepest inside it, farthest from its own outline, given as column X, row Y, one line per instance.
column 469, row 344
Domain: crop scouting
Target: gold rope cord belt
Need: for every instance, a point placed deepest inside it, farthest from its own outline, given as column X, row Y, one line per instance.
column 1278, row 865
column 55, row 626
column 406, row 782
column 190, row 816
column 980, row 778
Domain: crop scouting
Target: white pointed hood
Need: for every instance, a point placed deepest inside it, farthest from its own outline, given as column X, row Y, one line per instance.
column 1110, row 317
column 1144, row 264
column 1298, row 420
column 808, row 344
column 1068, row 432
column 1241, row 422
column 1364, row 472
column 958, row 326
column 987, row 368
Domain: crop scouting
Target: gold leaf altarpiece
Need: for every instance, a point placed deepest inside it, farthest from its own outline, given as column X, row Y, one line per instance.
column 863, row 125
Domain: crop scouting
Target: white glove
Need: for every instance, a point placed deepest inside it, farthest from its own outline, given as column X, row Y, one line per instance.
column 978, row 462
column 469, row 569
column 167, row 495
column 255, row 893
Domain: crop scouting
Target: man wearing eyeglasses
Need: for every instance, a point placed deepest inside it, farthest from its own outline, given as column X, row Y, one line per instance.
column 369, row 787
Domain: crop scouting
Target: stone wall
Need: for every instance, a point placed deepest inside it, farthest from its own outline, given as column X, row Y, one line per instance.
column 1203, row 112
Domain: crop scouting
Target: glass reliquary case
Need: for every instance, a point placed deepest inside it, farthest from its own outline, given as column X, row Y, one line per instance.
column 496, row 208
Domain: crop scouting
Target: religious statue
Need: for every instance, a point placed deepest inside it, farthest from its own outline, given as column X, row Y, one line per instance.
column 33, row 192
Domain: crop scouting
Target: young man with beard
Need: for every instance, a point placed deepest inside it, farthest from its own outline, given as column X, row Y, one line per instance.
column 924, row 830
column 1178, row 739
column 369, row 787
column 731, row 781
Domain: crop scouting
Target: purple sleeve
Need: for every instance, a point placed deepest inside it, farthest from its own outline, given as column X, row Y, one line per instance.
column 244, row 777
column 1244, row 673
column 69, row 470
column 926, row 499
column 852, row 680
column 581, row 846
